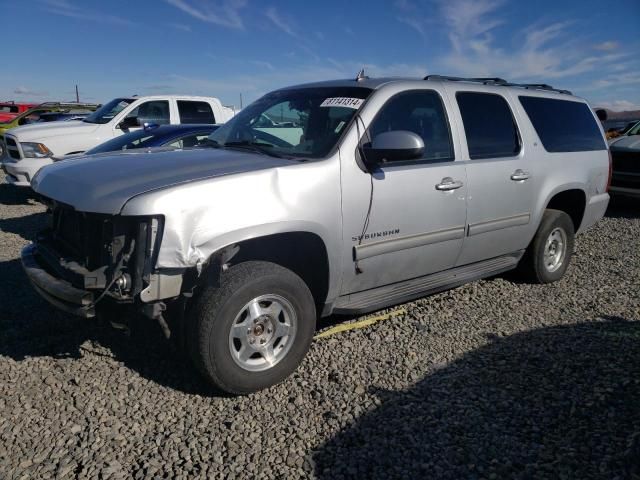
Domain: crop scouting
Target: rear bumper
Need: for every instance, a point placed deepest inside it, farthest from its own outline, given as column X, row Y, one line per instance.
column 60, row 293
column 594, row 210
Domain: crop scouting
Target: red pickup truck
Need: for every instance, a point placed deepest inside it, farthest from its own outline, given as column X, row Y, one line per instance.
column 10, row 110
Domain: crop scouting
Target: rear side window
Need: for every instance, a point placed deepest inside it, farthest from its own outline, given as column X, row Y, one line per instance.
column 195, row 112
column 488, row 124
column 563, row 125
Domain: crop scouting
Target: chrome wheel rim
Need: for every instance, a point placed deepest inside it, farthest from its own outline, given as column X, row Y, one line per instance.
column 555, row 249
column 262, row 333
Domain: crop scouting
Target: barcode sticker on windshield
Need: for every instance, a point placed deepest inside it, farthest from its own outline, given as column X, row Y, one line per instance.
column 346, row 102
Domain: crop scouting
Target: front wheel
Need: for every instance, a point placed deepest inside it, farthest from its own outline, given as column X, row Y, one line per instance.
column 254, row 329
column 548, row 256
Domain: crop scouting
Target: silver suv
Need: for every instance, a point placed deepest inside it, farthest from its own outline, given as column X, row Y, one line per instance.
column 339, row 197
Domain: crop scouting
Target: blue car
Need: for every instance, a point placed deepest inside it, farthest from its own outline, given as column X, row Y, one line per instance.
column 176, row 136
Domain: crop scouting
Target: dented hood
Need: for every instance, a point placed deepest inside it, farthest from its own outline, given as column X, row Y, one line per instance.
column 104, row 183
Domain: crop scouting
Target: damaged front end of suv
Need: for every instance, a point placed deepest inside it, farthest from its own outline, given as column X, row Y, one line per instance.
column 82, row 259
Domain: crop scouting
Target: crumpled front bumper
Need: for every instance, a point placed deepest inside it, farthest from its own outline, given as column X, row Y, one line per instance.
column 60, row 293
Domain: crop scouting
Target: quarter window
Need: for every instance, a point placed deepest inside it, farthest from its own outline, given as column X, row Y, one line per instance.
column 420, row 112
column 488, row 124
column 563, row 125
column 195, row 112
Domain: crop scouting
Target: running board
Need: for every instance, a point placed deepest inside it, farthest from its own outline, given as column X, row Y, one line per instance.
column 401, row 292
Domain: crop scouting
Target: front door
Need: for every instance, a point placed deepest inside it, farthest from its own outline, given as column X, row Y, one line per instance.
column 417, row 218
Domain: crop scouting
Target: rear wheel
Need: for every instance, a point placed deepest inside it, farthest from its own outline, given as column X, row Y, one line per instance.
column 252, row 330
column 549, row 254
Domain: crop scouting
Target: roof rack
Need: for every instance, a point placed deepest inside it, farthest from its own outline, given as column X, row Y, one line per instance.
column 498, row 81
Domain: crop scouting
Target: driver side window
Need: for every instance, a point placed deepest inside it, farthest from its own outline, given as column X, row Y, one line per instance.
column 154, row 111
column 421, row 112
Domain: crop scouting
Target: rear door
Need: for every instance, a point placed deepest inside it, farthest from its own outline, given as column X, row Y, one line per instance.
column 501, row 177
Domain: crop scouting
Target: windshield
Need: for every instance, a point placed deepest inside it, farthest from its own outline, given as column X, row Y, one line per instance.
column 109, row 110
column 306, row 122
column 8, row 109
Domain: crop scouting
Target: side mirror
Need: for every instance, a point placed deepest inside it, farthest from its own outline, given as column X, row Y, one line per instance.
column 394, row 146
column 129, row 122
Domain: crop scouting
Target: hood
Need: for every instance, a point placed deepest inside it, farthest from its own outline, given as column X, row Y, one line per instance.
column 42, row 131
column 628, row 142
column 104, row 183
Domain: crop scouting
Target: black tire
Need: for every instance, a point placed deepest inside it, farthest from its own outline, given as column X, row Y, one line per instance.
column 533, row 265
column 214, row 313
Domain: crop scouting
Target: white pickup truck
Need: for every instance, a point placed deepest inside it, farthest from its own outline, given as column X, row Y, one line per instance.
column 31, row 147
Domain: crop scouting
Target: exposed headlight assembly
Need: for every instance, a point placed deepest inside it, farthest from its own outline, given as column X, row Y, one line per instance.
column 35, row 150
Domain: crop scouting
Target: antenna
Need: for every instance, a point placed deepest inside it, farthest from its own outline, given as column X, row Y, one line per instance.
column 361, row 76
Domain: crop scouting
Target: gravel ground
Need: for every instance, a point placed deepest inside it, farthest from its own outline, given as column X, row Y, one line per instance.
column 496, row 379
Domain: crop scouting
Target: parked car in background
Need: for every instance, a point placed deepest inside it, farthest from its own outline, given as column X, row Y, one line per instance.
column 33, row 114
column 63, row 116
column 153, row 136
column 10, row 110
column 625, row 155
column 373, row 192
column 31, row 147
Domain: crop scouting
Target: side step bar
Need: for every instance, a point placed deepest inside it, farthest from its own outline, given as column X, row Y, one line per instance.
column 381, row 297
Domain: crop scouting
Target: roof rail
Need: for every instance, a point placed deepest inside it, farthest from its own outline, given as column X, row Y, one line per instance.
column 485, row 80
column 541, row 86
column 498, row 81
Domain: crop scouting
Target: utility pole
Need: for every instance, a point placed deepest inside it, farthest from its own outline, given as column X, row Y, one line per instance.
column 240, row 101
column 77, row 95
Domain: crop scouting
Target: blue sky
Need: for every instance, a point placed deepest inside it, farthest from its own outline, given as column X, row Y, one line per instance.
column 227, row 47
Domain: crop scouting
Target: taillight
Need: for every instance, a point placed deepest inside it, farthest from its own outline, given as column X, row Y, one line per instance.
column 610, row 170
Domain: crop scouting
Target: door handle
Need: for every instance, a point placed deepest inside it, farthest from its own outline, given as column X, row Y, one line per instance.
column 520, row 175
column 447, row 184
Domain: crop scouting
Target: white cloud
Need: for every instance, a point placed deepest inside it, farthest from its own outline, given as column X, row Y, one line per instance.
column 180, row 26
column 21, row 90
column 280, row 22
column 225, row 13
column 468, row 18
column 417, row 24
column 66, row 9
column 607, row 46
column 263, row 64
column 618, row 80
column 535, row 53
column 618, row 105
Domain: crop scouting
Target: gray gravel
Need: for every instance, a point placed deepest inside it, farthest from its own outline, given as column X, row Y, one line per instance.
column 496, row 379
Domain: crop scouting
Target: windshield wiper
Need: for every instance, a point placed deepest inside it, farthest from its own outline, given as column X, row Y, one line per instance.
column 259, row 147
